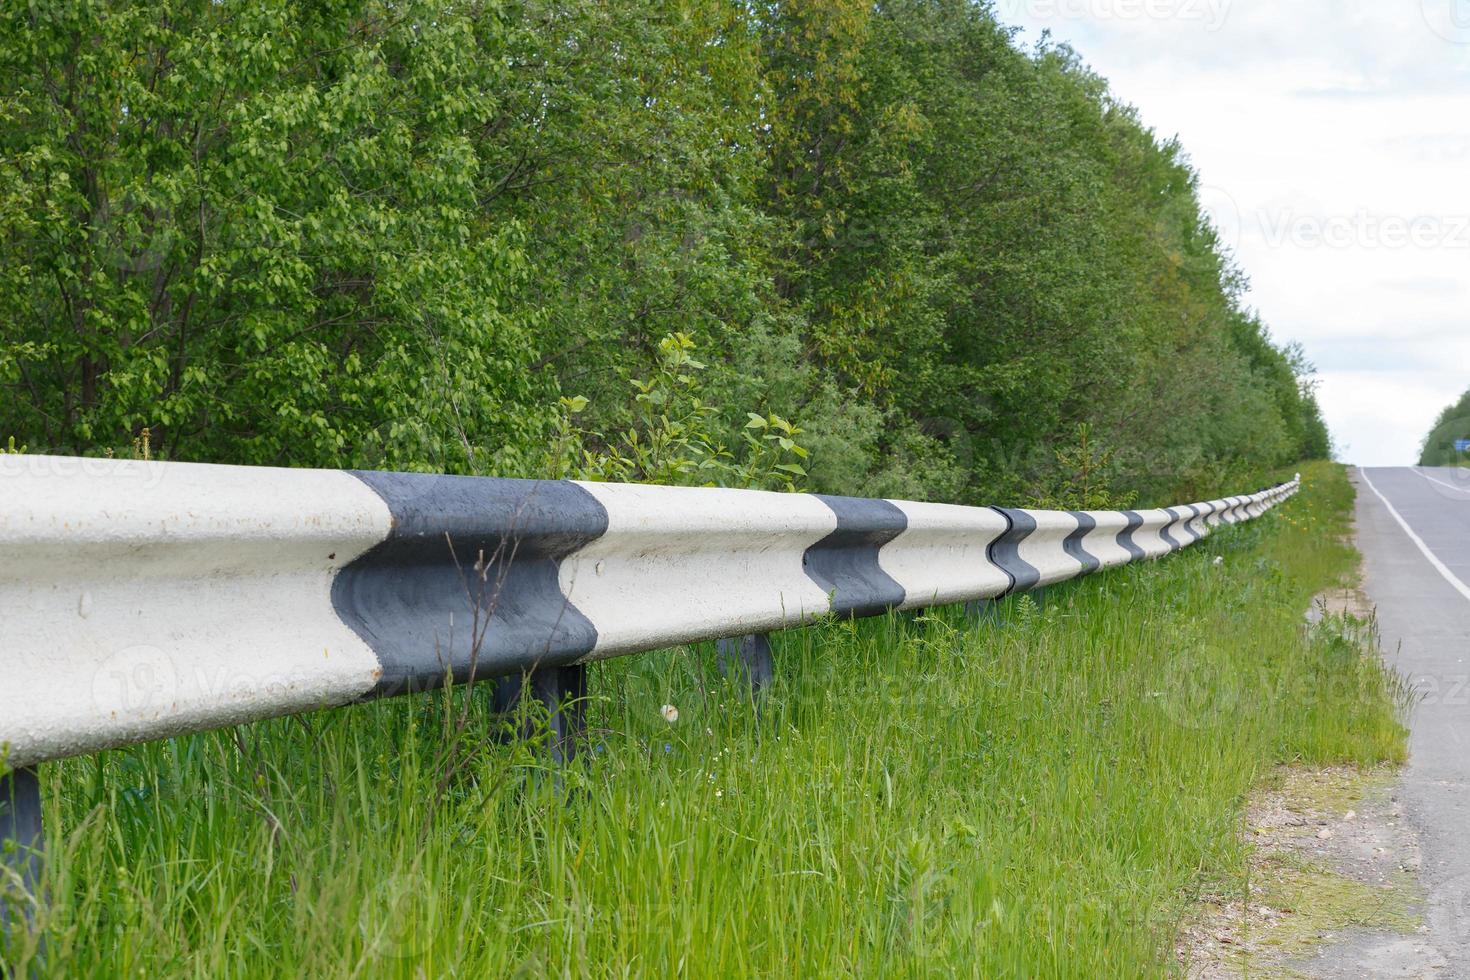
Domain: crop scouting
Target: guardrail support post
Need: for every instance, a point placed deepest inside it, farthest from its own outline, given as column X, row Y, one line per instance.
column 749, row 656
column 21, row 841
column 981, row 609
column 563, row 692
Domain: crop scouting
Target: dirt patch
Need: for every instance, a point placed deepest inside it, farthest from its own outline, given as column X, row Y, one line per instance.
column 1332, row 884
column 1332, row 887
column 1341, row 602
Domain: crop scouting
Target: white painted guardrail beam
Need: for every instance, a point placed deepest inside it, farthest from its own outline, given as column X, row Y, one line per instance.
column 143, row 600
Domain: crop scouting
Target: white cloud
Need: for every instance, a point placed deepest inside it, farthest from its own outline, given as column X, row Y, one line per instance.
column 1332, row 138
column 1377, row 408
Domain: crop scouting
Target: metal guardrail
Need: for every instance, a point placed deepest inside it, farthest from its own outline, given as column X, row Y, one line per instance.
column 141, row 600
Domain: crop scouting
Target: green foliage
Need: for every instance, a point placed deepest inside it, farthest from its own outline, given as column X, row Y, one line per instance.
column 987, row 239
column 1085, row 480
column 673, row 440
column 259, row 232
column 395, row 235
column 1452, row 425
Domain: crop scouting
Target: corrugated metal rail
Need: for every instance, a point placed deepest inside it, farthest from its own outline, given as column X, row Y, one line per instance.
column 141, row 600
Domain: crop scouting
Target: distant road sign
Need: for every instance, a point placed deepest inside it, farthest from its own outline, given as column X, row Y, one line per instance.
column 1462, row 445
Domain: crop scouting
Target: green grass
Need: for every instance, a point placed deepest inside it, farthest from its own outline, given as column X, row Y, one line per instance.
column 1038, row 792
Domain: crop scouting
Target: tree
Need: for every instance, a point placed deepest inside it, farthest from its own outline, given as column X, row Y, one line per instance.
column 1452, row 426
column 402, row 235
column 257, row 230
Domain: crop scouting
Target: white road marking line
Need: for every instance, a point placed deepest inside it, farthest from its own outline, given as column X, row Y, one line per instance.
column 1439, row 566
column 1442, row 483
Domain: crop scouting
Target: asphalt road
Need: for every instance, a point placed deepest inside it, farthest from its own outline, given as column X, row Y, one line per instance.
column 1414, row 532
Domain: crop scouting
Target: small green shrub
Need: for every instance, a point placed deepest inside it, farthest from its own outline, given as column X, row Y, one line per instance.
column 675, row 440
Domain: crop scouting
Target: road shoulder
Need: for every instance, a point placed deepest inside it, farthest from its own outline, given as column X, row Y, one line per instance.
column 1332, row 887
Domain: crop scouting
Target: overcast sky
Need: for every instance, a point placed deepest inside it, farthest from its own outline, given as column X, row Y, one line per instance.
column 1332, row 139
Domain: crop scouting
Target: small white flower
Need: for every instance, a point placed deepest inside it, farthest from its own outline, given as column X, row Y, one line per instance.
column 1219, row 560
column 670, row 713
column 719, row 793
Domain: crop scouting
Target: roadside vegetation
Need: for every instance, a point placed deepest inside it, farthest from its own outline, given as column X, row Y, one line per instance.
column 826, row 246
column 1041, row 788
column 396, row 235
column 1452, row 426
